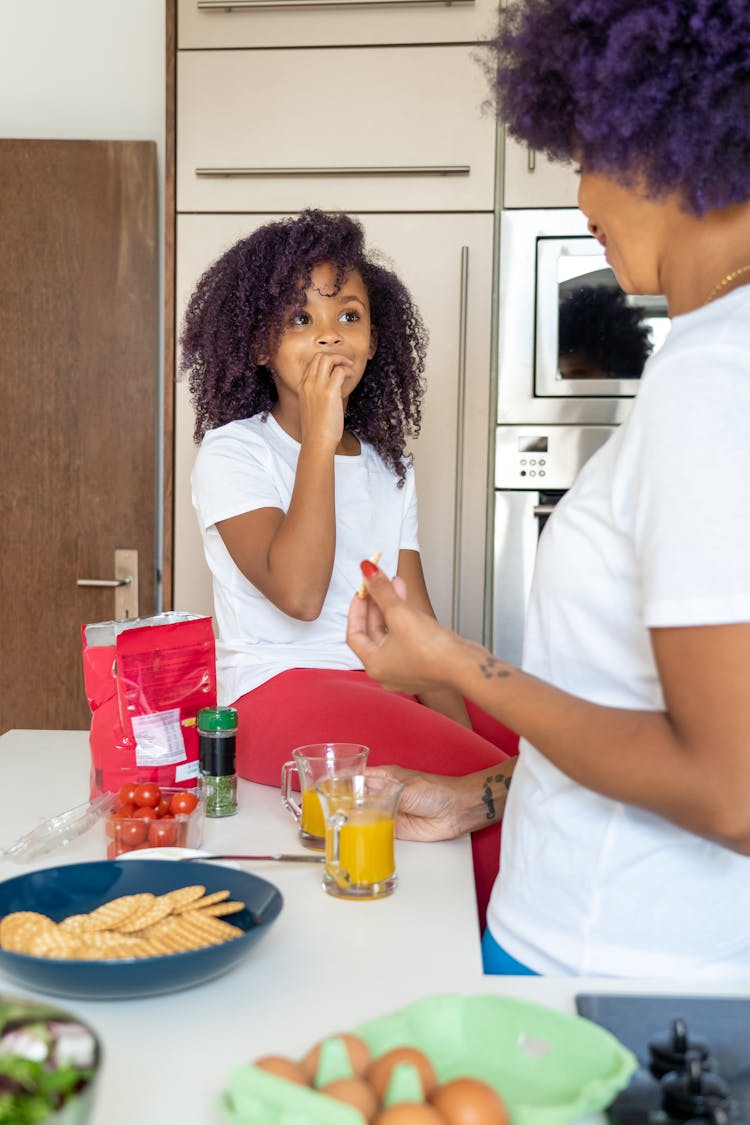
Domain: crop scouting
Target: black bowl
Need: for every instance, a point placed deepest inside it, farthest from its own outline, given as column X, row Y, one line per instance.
column 80, row 887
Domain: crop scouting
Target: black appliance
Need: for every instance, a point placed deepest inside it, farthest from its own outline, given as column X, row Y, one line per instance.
column 693, row 1054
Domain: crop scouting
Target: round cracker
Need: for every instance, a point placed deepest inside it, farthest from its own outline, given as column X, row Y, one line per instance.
column 183, row 896
column 217, row 909
column 200, row 903
column 142, row 919
column 18, row 929
column 109, row 914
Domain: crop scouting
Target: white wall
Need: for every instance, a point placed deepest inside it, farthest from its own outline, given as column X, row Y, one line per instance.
column 86, row 70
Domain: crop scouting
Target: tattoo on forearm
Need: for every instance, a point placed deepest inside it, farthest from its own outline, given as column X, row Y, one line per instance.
column 492, row 668
column 488, row 797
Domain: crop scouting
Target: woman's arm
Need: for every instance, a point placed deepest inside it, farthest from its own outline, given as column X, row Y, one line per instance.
column 435, row 807
column 442, row 699
column 689, row 763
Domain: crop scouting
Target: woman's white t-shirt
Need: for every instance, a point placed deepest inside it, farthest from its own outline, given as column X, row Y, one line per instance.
column 251, row 464
column 655, row 532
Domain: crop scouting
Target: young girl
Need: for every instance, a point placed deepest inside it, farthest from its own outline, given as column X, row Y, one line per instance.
column 305, row 361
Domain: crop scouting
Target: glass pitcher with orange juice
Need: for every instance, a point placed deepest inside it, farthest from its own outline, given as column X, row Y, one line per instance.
column 360, row 814
column 311, row 764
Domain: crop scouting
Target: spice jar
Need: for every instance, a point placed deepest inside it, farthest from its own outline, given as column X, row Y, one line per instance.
column 217, row 741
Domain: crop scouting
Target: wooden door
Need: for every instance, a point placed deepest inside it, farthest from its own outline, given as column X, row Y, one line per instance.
column 79, row 379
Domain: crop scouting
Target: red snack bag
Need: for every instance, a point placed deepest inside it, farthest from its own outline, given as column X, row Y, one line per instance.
column 146, row 680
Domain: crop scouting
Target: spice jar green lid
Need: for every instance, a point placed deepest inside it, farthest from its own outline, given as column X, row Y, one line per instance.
column 217, row 718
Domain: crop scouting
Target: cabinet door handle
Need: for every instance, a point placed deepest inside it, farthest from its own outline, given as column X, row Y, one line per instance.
column 248, row 5
column 403, row 170
column 543, row 510
column 463, row 317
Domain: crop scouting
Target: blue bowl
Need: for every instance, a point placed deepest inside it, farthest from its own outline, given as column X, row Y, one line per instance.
column 80, row 887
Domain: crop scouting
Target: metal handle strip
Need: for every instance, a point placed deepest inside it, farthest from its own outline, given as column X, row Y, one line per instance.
column 249, row 5
column 110, row 582
column 404, row 170
column 531, row 159
column 463, row 317
column 543, row 509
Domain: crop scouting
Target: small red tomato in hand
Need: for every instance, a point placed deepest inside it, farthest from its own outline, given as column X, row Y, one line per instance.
column 147, row 795
column 183, row 802
column 126, row 792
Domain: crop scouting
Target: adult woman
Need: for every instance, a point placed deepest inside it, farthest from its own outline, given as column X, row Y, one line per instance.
column 627, row 831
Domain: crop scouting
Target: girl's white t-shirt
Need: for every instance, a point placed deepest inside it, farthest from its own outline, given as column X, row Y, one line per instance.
column 655, row 532
column 251, row 464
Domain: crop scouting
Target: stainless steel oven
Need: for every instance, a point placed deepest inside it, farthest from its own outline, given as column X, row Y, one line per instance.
column 534, row 466
column 571, row 344
column 571, row 349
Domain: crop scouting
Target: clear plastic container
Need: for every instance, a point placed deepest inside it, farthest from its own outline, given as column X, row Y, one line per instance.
column 134, row 833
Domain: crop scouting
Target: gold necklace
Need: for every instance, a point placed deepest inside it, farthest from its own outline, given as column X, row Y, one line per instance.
column 725, row 281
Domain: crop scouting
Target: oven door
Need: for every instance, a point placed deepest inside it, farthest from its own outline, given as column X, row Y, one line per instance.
column 534, row 467
column 592, row 339
column 520, row 517
column 556, row 292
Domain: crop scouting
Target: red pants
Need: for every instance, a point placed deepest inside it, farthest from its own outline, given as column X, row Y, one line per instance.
column 307, row 705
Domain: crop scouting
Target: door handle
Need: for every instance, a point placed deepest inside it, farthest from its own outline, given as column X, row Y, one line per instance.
column 125, row 584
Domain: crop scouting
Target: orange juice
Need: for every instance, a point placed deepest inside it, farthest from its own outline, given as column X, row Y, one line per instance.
column 365, row 850
column 312, row 814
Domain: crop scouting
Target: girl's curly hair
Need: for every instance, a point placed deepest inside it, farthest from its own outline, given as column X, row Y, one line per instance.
column 632, row 88
column 243, row 300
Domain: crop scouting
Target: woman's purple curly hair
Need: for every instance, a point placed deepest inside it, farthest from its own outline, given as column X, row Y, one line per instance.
column 658, row 89
column 242, row 302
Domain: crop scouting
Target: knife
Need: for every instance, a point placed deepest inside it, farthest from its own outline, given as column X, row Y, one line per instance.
column 280, row 857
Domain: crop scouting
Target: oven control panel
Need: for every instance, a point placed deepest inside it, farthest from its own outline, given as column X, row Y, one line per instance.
column 541, row 457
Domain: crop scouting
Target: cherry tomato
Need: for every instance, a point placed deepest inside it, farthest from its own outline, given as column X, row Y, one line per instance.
column 163, row 833
column 133, row 832
column 162, row 809
column 147, row 795
column 183, row 802
column 124, row 810
column 114, row 849
column 145, row 812
column 126, row 792
column 113, row 826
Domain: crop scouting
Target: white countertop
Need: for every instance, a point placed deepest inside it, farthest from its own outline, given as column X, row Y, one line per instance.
column 324, row 966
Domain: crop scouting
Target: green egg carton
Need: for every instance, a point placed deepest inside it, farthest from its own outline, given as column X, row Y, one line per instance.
column 549, row 1067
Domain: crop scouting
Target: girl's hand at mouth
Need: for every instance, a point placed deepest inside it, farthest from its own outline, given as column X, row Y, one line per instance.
column 322, row 395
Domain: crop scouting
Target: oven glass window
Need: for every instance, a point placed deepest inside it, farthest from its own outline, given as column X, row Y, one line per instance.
column 603, row 333
column 592, row 338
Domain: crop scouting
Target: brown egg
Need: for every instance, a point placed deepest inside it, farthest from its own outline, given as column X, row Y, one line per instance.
column 380, row 1070
column 354, row 1092
column 356, row 1048
column 282, row 1068
column 469, row 1101
column 409, row 1113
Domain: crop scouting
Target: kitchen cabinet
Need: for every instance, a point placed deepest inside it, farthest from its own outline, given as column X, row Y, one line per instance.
column 451, row 453
column 270, row 130
column 531, row 180
column 378, row 111
column 321, row 23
